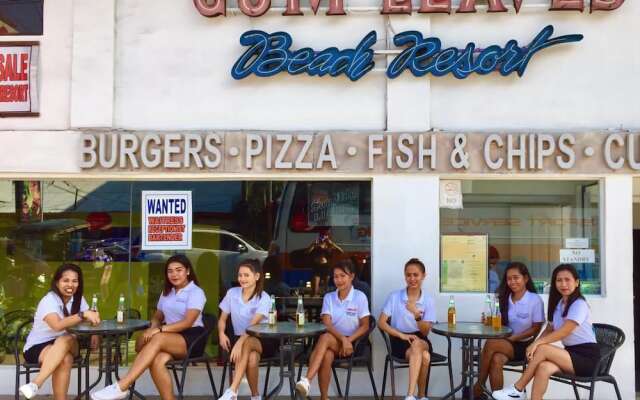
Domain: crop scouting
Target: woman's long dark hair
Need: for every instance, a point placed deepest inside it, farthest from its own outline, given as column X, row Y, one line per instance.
column 504, row 291
column 181, row 259
column 77, row 296
column 554, row 295
column 256, row 268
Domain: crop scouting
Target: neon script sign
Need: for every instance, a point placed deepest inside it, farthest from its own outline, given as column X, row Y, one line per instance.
column 270, row 53
column 256, row 8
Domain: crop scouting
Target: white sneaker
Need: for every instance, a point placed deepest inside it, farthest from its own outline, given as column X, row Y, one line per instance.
column 111, row 392
column 302, row 387
column 424, row 398
column 510, row 393
column 229, row 395
column 29, row 390
column 256, row 397
column 409, row 398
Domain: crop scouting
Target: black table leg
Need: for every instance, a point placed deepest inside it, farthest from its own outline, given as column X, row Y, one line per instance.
column 116, row 370
column 282, row 374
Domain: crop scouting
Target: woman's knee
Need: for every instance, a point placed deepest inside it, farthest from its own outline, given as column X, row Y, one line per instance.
column 161, row 360
column 426, row 358
column 498, row 360
column 66, row 340
column 67, row 361
column 254, row 359
column 545, row 369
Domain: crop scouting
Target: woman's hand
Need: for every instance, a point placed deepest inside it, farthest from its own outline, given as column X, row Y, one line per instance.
column 236, row 352
column 95, row 342
column 148, row 334
column 531, row 350
column 347, row 347
column 224, row 341
column 92, row 316
column 408, row 338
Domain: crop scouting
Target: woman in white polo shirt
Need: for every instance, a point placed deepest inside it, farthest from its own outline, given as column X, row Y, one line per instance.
column 570, row 322
column 412, row 312
column 247, row 305
column 48, row 344
column 345, row 314
column 175, row 325
column 522, row 310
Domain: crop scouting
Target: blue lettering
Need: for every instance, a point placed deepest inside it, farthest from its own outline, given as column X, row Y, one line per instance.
column 166, row 206
column 270, row 53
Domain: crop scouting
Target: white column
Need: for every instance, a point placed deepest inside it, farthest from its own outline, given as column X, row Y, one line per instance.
column 92, row 84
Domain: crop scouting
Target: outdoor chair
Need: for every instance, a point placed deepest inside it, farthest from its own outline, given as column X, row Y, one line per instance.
column 610, row 338
column 24, row 368
column 354, row 359
column 393, row 363
column 180, row 366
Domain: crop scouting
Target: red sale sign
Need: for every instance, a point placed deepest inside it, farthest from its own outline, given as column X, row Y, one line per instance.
column 19, row 79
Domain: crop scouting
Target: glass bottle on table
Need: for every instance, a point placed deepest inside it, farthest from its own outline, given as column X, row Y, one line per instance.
column 451, row 312
column 121, row 310
column 94, row 302
column 488, row 311
column 273, row 313
column 300, row 312
column 497, row 316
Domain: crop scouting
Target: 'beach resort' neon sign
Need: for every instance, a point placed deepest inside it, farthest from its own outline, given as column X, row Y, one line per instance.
column 270, row 53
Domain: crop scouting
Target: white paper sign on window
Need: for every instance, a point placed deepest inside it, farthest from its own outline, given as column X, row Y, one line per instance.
column 451, row 194
column 578, row 256
column 166, row 220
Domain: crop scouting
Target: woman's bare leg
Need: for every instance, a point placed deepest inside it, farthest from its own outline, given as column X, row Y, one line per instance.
column 546, row 352
column 496, row 375
column 60, row 378
column 250, row 345
column 491, row 347
column 424, row 372
column 53, row 355
column 252, row 372
column 161, row 376
column 172, row 343
column 541, row 380
column 326, row 342
column 324, row 374
column 414, row 356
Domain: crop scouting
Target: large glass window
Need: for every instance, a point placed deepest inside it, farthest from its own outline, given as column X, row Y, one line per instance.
column 297, row 230
column 21, row 17
column 539, row 223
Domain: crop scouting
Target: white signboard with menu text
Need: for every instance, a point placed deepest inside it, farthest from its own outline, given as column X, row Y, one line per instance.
column 19, row 79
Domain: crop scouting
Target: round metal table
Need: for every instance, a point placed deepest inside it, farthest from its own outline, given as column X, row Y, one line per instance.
column 468, row 332
column 110, row 331
column 286, row 332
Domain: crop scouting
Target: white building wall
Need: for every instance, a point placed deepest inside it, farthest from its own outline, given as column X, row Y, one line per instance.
column 130, row 65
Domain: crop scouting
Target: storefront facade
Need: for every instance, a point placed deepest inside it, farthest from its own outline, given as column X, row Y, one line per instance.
column 539, row 159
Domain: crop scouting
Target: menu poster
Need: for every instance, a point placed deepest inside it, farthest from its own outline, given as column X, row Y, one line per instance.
column 463, row 263
column 29, row 201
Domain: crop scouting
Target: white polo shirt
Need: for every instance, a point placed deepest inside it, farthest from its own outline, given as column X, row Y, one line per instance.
column 580, row 313
column 345, row 314
column 401, row 318
column 525, row 312
column 174, row 306
column 243, row 312
column 41, row 332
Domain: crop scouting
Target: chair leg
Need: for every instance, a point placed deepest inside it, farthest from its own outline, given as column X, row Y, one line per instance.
column 393, row 380
column 592, row 389
column 335, row 378
column 79, row 382
column 266, row 381
column 224, row 374
column 16, row 394
column 615, row 386
column 182, row 382
column 384, row 377
column 213, row 383
column 346, row 389
column 373, row 381
column 575, row 390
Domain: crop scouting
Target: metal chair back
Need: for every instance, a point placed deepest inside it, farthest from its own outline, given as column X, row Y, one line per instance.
column 609, row 338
